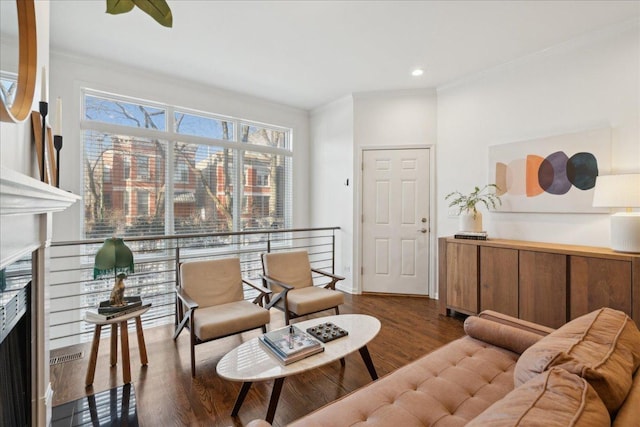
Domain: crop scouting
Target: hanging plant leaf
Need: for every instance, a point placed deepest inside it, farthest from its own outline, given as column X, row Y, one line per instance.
column 116, row 7
column 157, row 9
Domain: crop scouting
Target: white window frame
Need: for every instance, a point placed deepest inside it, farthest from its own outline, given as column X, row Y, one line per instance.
column 171, row 137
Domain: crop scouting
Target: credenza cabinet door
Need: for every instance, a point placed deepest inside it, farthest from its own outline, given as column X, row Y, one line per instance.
column 543, row 288
column 499, row 280
column 597, row 282
column 462, row 278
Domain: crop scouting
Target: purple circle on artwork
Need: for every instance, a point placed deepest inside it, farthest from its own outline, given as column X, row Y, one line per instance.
column 552, row 174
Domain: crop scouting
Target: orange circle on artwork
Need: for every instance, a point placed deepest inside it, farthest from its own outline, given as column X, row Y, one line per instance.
column 533, row 184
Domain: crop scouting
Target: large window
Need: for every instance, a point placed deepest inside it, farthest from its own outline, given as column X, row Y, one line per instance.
column 153, row 169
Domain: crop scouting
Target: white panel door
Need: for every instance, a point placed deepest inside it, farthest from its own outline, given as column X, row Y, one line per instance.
column 395, row 221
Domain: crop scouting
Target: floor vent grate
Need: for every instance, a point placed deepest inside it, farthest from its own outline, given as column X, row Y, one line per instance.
column 66, row 358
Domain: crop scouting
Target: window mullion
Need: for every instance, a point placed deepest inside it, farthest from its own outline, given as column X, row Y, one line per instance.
column 169, row 175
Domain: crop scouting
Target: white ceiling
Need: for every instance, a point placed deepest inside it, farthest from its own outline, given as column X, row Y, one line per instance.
column 308, row 53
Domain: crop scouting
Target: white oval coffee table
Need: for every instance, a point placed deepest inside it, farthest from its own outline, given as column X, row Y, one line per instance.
column 251, row 362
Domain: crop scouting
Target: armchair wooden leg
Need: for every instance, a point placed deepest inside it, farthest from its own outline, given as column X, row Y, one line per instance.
column 193, row 348
column 337, row 311
column 180, row 327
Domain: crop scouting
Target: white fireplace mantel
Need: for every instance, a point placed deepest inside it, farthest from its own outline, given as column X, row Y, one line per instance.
column 21, row 194
column 22, row 200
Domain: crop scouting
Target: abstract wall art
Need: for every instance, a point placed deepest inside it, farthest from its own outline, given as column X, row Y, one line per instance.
column 552, row 174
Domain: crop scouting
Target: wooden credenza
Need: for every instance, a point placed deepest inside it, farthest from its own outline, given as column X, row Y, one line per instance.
column 546, row 283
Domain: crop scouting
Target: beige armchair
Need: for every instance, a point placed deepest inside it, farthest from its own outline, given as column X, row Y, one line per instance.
column 288, row 276
column 212, row 294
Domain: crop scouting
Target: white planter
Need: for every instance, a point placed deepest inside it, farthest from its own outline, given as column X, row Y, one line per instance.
column 467, row 222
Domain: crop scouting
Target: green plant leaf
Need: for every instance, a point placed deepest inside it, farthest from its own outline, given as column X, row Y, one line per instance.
column 157, row 9
column 116, row 7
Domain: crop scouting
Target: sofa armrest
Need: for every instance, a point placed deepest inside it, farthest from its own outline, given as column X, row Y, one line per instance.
column 500, row 334
column 505, row 319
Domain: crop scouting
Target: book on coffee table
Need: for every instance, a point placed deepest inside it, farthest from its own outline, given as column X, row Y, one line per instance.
column 291, row 344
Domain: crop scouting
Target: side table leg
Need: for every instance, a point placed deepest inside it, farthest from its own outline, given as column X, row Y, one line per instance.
column 124, row 340
column 366, row 357
column 141, row 345
column 91, row 370
column 243, row 393
column 114, row 344
column 275, row 396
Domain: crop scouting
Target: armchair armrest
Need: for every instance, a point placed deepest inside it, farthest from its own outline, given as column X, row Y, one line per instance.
column 269, row 280
column 334, row 278
column 264, row 292
column 188, row 316
column 257, row 286
column 186, row 299
column 281, row 295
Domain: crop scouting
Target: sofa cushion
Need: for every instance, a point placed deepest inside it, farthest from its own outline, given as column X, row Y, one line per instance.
column 602, row 347
column 629, row 413
column 554, row 398
column 448, row 387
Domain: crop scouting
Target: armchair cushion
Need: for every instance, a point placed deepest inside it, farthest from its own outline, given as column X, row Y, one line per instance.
column 196, row 278
column 229, row 318
column 312, row 299
column 292, row 268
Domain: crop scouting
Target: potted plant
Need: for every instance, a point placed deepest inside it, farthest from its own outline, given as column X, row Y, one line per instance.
column 470, row 218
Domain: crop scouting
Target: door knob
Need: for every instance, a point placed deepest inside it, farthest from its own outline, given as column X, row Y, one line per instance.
column 423, row 230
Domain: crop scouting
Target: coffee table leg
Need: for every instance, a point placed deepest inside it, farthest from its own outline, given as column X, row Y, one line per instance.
column 366, row 357
column 243, row 393
column 275, row 396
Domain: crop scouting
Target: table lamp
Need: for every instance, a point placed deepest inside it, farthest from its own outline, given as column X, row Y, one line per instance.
column 114, row 258
column 621, row 191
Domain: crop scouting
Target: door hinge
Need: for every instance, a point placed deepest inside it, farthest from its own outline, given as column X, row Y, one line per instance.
column 362, row 271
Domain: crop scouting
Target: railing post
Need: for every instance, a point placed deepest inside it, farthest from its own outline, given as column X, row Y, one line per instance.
column 333, row 251
column 177, row 314
column 268, row 242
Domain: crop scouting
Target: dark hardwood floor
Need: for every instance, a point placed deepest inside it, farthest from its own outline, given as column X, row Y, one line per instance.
column 166, row 394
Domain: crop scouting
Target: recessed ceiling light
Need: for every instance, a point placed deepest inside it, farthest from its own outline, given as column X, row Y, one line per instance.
column 417, row 72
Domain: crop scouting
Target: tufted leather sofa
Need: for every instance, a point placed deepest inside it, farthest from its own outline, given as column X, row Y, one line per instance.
column 481, row 380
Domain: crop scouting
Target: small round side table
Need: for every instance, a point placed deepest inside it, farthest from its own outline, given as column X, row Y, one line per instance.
column 122, row 322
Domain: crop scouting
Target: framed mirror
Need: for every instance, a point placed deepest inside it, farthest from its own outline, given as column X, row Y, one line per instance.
column 19, row 94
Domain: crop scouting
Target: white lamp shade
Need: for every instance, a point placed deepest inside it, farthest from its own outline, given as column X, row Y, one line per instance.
column 617, row 191
column 621, row 191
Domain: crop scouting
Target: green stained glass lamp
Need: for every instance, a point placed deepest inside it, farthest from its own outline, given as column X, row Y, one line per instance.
column 114, row 259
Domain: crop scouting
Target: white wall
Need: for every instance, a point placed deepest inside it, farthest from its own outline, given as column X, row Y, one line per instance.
column 395, row 118
column 330, row 168
column 69, row 74
column 587, row 83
